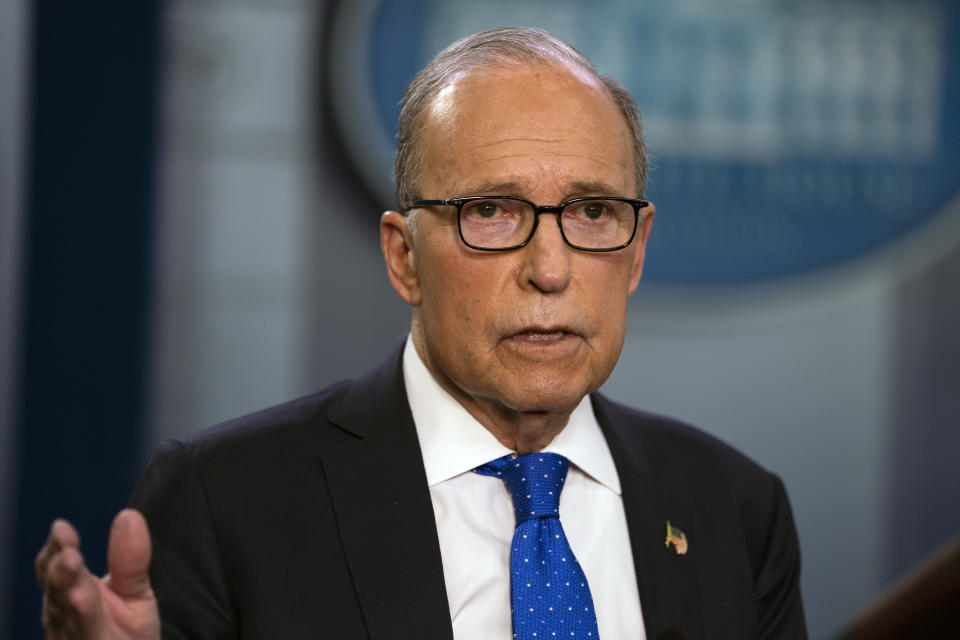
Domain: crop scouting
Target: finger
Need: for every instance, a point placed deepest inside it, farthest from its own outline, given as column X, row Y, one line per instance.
column 71, row 598
column 51, row 615
column 62, row 534
column 57, row 622
column 62, row 573
column 128, row 555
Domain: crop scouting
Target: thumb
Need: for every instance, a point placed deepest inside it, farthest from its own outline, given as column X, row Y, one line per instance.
column 128, row 555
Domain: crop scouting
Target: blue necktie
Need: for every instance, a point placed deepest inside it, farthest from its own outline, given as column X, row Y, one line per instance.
column 549, row 593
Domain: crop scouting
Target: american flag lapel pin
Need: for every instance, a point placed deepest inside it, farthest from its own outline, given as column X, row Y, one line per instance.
column 677, row 538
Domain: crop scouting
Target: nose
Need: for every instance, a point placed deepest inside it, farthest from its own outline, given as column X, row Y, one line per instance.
column 546, row 257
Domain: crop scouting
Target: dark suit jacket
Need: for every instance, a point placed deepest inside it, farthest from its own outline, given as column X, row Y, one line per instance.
column 313, row 520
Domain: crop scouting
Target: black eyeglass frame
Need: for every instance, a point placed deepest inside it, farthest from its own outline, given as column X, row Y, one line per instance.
column 637, row 204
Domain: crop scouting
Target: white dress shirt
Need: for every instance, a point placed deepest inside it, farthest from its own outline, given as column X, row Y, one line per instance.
column 475, row 520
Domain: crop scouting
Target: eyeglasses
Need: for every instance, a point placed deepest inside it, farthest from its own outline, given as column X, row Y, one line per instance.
column 502, row 223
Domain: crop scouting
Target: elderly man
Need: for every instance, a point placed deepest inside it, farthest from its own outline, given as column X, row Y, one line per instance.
column 474, row 485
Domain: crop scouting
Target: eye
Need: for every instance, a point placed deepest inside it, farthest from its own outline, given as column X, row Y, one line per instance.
column 590, row 211
column 593, row 210
column 492, row 209
column 484, row 208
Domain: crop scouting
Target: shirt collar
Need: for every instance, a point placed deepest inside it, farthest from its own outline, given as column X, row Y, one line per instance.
column 453, row 442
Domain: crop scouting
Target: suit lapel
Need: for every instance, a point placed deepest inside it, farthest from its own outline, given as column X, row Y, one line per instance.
column 652, row 496
column 382, row 503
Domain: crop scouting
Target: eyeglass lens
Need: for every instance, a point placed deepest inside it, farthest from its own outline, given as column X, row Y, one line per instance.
column 592, row 224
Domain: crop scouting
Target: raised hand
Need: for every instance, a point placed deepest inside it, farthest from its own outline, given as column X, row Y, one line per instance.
column 80, row 606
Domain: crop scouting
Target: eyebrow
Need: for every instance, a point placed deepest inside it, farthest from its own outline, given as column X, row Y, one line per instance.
column 591, row 188
column 495, row 189
column 575, row 189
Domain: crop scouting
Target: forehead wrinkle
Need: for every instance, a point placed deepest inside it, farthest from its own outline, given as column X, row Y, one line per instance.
column 557, row 155
column 593, row 169
column 520, row 139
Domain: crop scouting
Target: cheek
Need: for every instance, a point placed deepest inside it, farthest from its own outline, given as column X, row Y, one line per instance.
column 452, row 304
column 608, row 280
column 469, row 291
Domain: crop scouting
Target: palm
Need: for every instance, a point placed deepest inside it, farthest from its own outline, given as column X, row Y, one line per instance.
column 126, row 617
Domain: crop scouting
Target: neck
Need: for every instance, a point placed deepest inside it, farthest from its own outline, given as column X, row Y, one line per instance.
column 524, row 432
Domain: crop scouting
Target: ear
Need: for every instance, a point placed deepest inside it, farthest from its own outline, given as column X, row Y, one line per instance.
column 640, row 250
column 396, row 242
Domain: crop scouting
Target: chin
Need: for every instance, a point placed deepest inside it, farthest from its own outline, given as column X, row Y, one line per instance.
column 543, row 399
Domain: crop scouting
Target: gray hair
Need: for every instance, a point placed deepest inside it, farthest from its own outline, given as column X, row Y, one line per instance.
column 491, row 48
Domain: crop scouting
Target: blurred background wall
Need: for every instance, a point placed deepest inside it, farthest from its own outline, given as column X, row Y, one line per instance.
column 14, row 47
column 189, row 233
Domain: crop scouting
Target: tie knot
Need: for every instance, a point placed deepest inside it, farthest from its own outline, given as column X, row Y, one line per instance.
column 535, row 481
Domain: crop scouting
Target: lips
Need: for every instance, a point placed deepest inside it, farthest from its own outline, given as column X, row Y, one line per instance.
column 541, row 335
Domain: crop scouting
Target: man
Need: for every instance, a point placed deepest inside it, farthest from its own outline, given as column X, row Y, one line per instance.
column 391, row 506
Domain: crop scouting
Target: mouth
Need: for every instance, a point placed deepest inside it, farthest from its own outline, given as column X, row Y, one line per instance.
column 542, row 335
column 544, row 345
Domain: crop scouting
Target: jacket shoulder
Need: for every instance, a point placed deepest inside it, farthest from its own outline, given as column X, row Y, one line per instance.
column 290, row 424
column 663, row 442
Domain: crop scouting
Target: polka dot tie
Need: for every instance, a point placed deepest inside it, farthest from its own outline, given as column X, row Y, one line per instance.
column 550, row 595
